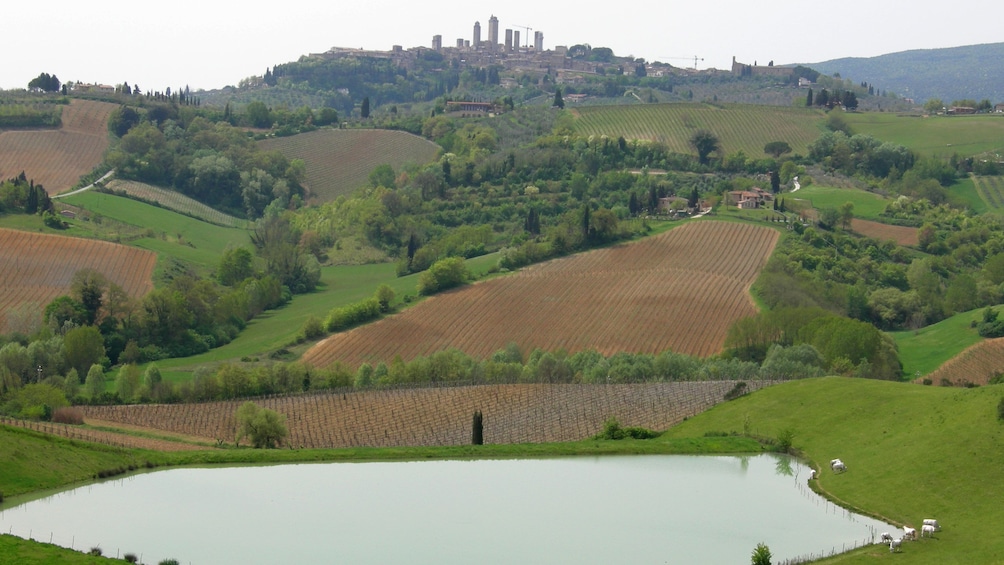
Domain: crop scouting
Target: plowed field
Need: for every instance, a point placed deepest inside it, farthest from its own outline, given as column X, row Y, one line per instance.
column 977, row 364
column 902, row 235
column 57, row 159
column 340, row 161
column 519, row 413
column 35, row 268
column 677, row 291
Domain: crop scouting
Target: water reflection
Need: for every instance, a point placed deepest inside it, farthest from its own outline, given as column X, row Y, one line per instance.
column 644, row 509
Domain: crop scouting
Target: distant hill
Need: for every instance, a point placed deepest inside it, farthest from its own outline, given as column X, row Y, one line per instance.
column 972, row 72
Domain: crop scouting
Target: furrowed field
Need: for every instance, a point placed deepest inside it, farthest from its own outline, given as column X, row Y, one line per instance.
column 739, row 127
column 977, row 364
column 57, row 159
column 677, row 291
column 991, row 192
column 902, row 235
column 340, row 161
column 173, row 200
column 513, row 413
column 36, row 268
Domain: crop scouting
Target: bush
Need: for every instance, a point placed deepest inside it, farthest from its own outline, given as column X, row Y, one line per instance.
column 348, row 316
column 784, row 440
column 169, row 562
column 313, row 328
column 442, row 275
column 1000, row 416
column 68, row 415
column 96, row 551
column 130, row 557
column 613, row 430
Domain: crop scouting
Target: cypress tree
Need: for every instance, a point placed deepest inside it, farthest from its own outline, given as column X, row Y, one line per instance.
column 477, row 429
column 808, row 99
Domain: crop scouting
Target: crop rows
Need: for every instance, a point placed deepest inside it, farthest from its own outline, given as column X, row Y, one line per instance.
column 340, row 161
column 739, row 127
column 902, row 235
column 99, row 436
column 176, row 201
column 513, row 413
column 991, row 190
column 36, row 268
column 57, row 159
column 977, row 364
column 678, row 291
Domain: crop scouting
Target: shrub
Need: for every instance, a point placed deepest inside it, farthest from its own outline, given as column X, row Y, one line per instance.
column 68, row 415
column 761, row 555
column 613, row 430
column 169, row 562
column 1000, row 416
column 738, row 390
column 130, row 557
column 95, row 551
column 442, row 275
column 784, row 440
column 313, row 328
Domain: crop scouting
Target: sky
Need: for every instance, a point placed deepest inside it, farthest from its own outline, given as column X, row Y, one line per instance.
column 211, row 44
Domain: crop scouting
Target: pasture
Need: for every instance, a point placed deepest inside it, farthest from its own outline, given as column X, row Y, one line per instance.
column 966, row 193
column 867, row 205
column 677, row 291
column 939, row 136
column 36, row 268
column 57, row 159
column 739, row 127
column 924, row 350
column 340, row 161
column 181, row 237
column 912, row 452
column 176, row 201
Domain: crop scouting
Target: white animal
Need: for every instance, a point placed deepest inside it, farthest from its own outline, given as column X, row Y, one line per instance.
column 909, row 533
column 932, row 522
column 927, row 530
column 895, row 544
column 812, row 474
column 838, row 465
column 886, row 537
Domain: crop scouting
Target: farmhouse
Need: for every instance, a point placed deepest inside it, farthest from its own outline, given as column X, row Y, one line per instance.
column 473, row 107
column 960, row 110
column 751, row 199
column 999, row 108
column 672, row 205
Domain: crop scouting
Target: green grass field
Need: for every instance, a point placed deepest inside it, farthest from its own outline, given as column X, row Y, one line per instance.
column 912, row 452
column 965, row 193
column 738, row 126
column 173, row 200
column 935, row 135
column 924, row 350
column 867, row 205
column 163, row 231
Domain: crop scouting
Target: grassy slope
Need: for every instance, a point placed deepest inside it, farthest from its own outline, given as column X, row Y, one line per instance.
column 964, row 193
column 867, row 205
column 201, row 243
column 936, row 135
column 926, row 349
column 912, row 452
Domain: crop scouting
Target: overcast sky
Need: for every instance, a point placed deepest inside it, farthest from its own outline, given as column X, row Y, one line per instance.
column 211, row 44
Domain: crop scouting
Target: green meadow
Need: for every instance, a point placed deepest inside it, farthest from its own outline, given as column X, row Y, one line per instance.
column 924, row 350
column 867, row 205
column 934, row 135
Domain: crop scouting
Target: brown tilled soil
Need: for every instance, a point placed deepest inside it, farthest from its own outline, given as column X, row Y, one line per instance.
column 976, row 365
column 902, row 235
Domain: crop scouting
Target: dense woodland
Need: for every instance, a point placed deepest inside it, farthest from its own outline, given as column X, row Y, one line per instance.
column 522, row 183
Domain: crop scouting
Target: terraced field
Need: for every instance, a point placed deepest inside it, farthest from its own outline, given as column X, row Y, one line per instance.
column 739, row 127
column 677, row 291
column 340, row 161
column 57, row 159
column 35, row 268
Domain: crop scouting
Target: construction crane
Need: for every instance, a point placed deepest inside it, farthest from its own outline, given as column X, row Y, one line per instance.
column 526, row 38
column 695, row 59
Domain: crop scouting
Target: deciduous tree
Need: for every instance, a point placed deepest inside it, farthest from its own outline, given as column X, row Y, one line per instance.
column 265, row 427
column 705, row 143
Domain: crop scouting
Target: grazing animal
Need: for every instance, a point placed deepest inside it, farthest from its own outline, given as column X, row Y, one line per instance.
column 812, row 474
column 885, row 537
column 932, row 522
column 895, row 545
column 838, row 466
column 927, row 530
column 909, row 533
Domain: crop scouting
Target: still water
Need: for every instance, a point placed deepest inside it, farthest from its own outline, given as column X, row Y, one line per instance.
column 625, row 510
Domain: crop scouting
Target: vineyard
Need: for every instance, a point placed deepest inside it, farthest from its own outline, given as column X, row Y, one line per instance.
column 340, row 161
column 744, row 128
column 36, row 268
column 991, row 191
column 173, row 200
column 513, row 413
column 977, row 364
column 101, row 436
column 678, row 291
column 902, row 235
column 57, row 159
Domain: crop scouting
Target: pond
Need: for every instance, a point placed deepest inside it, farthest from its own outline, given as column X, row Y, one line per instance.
column 615, row 509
